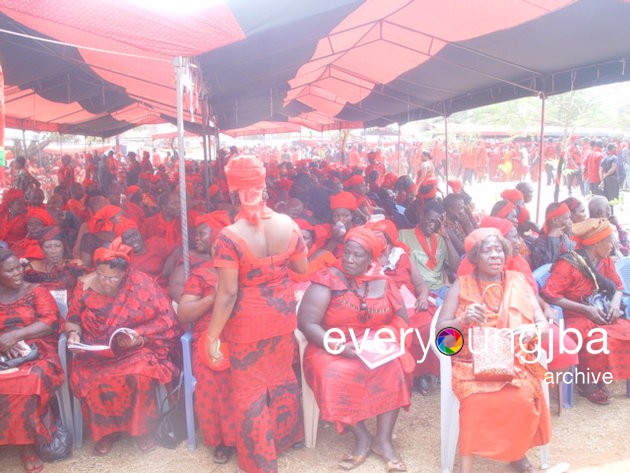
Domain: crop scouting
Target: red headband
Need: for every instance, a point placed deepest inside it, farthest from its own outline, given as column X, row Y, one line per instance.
column 116, row 250
column 343, row 200
column 513, row 195
column 557, row 212
column 41, row 215
column 367, row 239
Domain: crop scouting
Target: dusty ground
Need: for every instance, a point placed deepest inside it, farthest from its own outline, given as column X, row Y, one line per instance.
column 592, row 438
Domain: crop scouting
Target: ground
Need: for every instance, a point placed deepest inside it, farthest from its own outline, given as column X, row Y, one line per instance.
column 592, row 438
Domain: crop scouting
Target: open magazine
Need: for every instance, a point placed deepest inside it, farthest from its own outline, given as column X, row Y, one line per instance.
column 377, row 352
column 103, row 350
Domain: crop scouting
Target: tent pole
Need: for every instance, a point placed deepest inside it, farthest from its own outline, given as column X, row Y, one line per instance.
column 205, row 167
column 446, row 150
column 398, row 151
column 542, row 97
column 24, row 143
column 181, row 66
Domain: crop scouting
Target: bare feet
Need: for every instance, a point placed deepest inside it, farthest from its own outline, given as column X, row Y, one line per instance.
column 30, row 459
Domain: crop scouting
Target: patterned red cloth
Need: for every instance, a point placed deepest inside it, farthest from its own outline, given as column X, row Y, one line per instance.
column 265, row 305
column 567, row 281
column 61, row 278
column 25, row 396
column 262, row 351
column 346, row 390
column 117, row 394
column 214, row 401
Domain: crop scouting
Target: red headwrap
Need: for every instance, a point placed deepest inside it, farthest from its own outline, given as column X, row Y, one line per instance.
column 389, row 228
column 513, row 195
column 390, row 179
column 501, row 224
column 131, row 190
column 504, row 211
column 101, row 220
column 355, row 180
column 557, row 212
column 343, row 200
column 479, row 234
column 124, row 225
column 367, row 239
column 246, row 174
column 212, row 220
column 51, row 233
column 456, row 185
column 305, row 224
column 572, row 203
column 116, row 250
column 428, row 189
column 41, row 215
column 591, row 231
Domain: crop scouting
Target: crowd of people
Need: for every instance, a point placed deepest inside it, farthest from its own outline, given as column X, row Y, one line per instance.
column 367, row 248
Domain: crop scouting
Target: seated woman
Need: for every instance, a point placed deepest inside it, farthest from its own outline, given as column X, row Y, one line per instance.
column 397, row 265
column 575, row 277
column 117, row 394
column 318, row 257
column 497, row 419
column 55, row 272
column 27, row 313
column 345, row 215
column 577, row 208
column 214, row 397
column 347, row 391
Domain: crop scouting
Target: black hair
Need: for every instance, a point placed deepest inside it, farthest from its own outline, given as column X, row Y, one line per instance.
column 452, row 199
column 117, row 263
column 5, row 255
column 434, row 206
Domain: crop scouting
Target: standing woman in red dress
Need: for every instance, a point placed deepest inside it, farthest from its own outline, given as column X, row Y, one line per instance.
column 27, row 313
column 254, row 312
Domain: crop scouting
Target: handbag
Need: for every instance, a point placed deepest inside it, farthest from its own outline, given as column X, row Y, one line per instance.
column 492, row 352
column 171, row 429
column 8, row 363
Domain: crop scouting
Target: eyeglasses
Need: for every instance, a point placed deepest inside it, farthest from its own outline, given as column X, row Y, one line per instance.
column 112, row 279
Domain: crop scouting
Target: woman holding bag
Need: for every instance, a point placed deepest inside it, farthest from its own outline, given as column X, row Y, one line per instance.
column 498, row 419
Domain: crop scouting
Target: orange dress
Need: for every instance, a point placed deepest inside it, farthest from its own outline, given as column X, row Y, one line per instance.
column 500, row 419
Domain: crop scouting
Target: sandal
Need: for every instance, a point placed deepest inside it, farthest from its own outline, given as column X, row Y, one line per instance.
column 598, row 396
column 31, row 459
column 391, row 465
column 104, row 445
column 145, row 443
column 523, row 466
column 350, row 462
column 222, row 454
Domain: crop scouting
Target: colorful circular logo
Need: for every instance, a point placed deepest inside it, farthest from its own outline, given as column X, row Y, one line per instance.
column 449, row 341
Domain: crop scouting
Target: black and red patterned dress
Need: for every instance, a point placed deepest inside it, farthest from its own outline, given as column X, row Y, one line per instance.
column 25, row 416
column 214, row 403
column 262, row 350
column 117, row 394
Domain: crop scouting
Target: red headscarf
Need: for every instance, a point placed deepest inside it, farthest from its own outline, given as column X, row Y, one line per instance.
column 101, row 220
column 456, row 185
column 591, row 231
column 367, row 239
column 501, row 224
column 478, row 235
column 51, row 233
column 355, row 180
column 343, row 200
column 41, row 215
column 513, row 195
column 116, row 250
column 246, row 175
column 389, row 228
column 131, row 190
column 504, row 211
column 428, row 188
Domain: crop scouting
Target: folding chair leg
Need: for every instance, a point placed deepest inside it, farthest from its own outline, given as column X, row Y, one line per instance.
column 567, row 391
column 78, row 422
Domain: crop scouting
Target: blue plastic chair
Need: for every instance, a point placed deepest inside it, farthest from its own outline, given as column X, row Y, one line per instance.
column 565, row 390
column 189, row 389
column 622, row 265
column 63, row 393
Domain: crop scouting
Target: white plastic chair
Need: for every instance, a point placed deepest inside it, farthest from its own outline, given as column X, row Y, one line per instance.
column 449, row 410
column 63, row 393
column 310, row 409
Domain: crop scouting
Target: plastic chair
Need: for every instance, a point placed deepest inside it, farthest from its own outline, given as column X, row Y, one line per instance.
column 63, row 393
column 189, row 390
column 565, row 390
column 310, row 409
column 622, row 265
column 449, row 410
